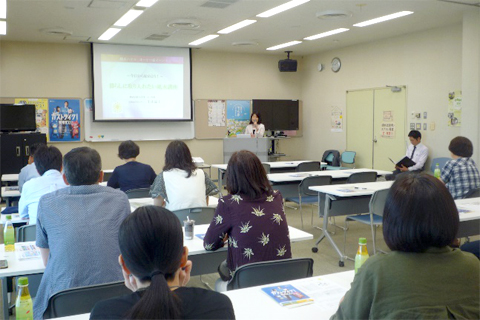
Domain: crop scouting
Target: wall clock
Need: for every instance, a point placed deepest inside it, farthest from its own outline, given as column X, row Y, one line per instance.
column 336, row 64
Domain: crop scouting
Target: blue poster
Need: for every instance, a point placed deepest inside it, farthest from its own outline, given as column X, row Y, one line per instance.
column 238, row 116
column 64, row 120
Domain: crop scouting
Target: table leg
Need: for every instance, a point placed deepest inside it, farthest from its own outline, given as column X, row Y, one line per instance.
column 5, row 297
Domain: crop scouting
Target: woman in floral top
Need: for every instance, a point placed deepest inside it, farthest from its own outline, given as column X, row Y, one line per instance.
column 251, row 217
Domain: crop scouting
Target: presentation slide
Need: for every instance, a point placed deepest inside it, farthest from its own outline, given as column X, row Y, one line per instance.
column 141, row 83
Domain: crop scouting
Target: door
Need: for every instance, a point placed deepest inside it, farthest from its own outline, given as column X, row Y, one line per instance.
column 375, row 124
column 389, row 127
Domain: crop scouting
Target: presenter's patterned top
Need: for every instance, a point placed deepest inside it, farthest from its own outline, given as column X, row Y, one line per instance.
column 257, row 229
column 460, row 176
column 79, row 225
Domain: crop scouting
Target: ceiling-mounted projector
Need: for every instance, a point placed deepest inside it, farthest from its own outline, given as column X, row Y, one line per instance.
column 287, row 65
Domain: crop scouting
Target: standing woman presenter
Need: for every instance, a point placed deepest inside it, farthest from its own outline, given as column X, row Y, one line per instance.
column 255, row 129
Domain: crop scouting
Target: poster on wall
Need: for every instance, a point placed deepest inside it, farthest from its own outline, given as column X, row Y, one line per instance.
column 65, row 121
column 41, row 113
column 238, row 116
column 216, row 113
column 336, row 120
column 455, row 108
column 387, row 130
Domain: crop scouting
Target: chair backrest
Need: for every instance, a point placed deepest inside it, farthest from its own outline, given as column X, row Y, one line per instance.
column 267, row 167
column 260, row 273
column 308, row 166
column 360, row 177
column 201, row 215
column 348, row 157
column 27, row 233
column 82, row 299
column 313, row 181
column 377, row 202
column 441, row 163
column 331, row 157
column 138, row 193
column 474, row 193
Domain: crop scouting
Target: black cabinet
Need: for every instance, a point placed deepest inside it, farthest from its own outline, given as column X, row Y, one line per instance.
column 15, row 150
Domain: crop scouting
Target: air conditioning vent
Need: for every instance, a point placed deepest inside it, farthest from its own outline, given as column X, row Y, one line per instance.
column 157, row 37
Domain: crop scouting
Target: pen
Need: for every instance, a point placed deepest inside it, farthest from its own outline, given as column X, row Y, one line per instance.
column 359, row 188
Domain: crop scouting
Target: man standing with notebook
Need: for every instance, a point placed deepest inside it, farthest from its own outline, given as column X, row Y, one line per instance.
column 416, row 151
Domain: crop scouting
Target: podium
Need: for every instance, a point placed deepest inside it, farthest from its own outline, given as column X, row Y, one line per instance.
column 259, row 146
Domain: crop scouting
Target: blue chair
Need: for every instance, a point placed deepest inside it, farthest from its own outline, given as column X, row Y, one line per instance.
column 348, row 157
column 441, row 163
column 307, row 196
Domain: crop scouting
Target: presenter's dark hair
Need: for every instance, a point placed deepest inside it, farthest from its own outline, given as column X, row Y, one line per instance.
column 128, row 149
column 151, row 240
column 258, row 116
column 178, row 156
column 461, row 146
column 246, row 175
column 415, row 134
column 47, row 158
column 419, row 213
column 82, row 166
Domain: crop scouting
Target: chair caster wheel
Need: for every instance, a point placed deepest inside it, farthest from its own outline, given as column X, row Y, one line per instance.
column 314, row 249
column 341, row 263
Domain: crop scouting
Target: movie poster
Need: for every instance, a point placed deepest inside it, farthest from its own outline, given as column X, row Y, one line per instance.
column 64, row 116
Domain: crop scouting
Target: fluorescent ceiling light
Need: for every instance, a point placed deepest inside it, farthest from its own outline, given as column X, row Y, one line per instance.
column 326, row 34
column 384, row 18
column 107, row 35
column 3, row 27
column 146, row 3
column 237, row 26
column 128, row 17
column 284, row 45
column 204, row 39
column 3, row 9
column 281, row 8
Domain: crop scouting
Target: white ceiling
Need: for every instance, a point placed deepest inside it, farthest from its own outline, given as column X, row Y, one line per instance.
column 88, row 19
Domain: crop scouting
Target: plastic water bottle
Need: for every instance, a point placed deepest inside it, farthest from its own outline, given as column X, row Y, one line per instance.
column 362, row 254
column 437, row 173
column 9, row 235
column 23, row 305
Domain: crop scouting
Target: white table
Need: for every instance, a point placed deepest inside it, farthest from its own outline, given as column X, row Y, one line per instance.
column 469, row 214
column 140, row 202
column 12, row 177
column 344, row 199
column 10, row 193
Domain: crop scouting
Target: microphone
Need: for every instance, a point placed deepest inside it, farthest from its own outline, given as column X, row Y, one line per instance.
column 253, row 131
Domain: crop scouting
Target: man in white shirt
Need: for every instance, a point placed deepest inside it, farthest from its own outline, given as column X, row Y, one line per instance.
column 48, row 163
column 416, row 151
column 29, row 171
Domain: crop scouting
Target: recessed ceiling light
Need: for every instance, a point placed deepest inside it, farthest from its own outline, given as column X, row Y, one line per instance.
column 3, row 9
column 326, row 34
column 109, row 34
column 128, row 17
column 3, row 27
column 334, row 14
column 284, row 45
column 146, row 3
column 183, row 24
column 203, row 40
column 281, row 8
column 384, row 18
column 237, row 26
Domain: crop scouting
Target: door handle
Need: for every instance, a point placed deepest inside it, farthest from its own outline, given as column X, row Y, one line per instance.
column 27, row 151
column 18, row 150
column 375, row 139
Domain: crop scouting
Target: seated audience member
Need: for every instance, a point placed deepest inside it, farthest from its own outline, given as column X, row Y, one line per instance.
column 29, row 171
column 460, row 174
column 422, row 277
column 416, row 151
column 181, row 184
column 133, row 174
column 77, row 229
column 251, row 217
column 156, row 268
column 48, row 161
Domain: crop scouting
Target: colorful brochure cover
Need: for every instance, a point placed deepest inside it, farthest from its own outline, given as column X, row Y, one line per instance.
column 288, row 296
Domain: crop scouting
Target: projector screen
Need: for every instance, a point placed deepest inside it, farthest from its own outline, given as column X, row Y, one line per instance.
column 135, row 83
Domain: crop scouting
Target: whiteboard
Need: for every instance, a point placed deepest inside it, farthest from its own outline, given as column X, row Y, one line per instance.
column 137, row 131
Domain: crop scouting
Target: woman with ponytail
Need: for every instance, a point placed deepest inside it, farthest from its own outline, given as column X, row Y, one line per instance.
column 156, row 268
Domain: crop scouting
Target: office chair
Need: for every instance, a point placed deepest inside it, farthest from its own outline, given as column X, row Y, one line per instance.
column 82, row 299
column 27, row 233
column 308, row 166
column 307, row 196
column 374, row 218
column 441, row 163
column 474, row 193
column 138, row 193
column 361, row 177
column 348, row 157
column 201, row 215
column 265, row 272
